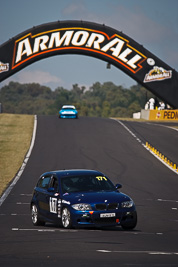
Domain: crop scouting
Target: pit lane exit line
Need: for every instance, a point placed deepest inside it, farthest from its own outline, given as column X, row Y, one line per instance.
column 145, row 145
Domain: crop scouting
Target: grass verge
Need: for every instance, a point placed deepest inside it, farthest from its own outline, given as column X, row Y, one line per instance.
column 15, row 137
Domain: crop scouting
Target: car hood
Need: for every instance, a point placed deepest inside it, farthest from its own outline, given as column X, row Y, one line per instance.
column 95, row 197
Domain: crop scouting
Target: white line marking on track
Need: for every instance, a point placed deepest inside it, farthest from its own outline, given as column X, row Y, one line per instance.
column 27, row 195
column 15, row 214
column 21, row 203
column 45, row 230
column 17, row 177
column 167, row 200
column 163, row 126
column 76, row 230
column 161, row 253
column 102, row 250
column 140, row 252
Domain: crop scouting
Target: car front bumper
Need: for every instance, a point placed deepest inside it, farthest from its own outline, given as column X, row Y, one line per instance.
column 67, row 116
column 94, row 219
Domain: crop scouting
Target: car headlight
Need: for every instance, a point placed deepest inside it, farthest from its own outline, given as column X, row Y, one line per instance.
column 127, row 204
column 82, row 206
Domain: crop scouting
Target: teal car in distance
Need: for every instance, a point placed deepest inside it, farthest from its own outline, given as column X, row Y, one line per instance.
column 68, row 111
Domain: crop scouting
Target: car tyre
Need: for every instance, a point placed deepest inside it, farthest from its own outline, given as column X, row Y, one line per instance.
column 130, row 225
column 35, row 216
column 66, row 218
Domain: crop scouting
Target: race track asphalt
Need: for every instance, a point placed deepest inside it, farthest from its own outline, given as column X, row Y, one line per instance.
column 104, row 145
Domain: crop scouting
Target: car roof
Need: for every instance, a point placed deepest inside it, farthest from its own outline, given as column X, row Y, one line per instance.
column 68, row 106
column 73, row 172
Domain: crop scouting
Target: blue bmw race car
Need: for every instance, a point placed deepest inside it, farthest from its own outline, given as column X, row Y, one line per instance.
column 74, row 198
column 68, row 111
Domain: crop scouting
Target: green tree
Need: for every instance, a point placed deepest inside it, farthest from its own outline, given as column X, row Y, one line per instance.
column 101, row 100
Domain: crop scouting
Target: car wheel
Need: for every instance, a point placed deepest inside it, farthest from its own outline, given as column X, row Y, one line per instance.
column 66, row 218
column 35, row 216
column 130, row 225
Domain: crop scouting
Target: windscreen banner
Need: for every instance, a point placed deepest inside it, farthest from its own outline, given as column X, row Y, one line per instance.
column 94, row 40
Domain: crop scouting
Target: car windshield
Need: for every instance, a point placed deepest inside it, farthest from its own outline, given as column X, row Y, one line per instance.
column 86, row 184
column 68, row 108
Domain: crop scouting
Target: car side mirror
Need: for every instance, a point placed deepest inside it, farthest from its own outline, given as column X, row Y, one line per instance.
column 118, row 186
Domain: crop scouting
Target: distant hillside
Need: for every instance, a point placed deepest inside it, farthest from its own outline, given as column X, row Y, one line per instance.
column 101, row 100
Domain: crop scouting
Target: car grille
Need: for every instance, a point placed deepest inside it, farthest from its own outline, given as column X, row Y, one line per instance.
column 110, row 206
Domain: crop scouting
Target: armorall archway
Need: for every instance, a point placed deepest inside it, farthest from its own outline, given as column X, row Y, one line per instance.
column 95, row 40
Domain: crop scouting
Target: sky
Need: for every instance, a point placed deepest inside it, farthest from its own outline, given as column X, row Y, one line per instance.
column 151, row 23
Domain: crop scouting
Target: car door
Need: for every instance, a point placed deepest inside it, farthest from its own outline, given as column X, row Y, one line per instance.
column 53, row 199
column 41, row 193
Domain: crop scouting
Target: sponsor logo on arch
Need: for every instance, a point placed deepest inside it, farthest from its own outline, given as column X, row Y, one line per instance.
column 114, row 47
column 157, row 74
column 4, row 67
